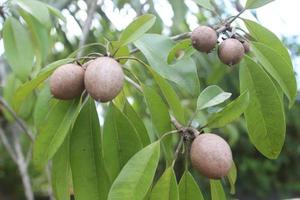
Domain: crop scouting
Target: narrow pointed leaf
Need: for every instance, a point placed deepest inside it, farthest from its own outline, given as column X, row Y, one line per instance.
column 188, row 188
column 182, row 49
column 232, row 178
column 216, row 190
column 252, row 4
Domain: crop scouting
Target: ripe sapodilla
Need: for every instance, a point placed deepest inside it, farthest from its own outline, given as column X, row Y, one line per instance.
column 211, row 155
column 204, row 39
column 67, row 81
column 104, row 79
column 231, row 51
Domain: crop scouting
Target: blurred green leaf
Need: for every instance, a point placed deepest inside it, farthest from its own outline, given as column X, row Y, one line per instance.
column 264, row 115
column 42, row 105
column 232, row 178
column 216, row 190
column 166, row 187
column 54, row 11
column 18, row 48
column 181, row 50
column 188, row 188
column 252, row 4
column 211, row 96
column 137, row 175
column 205, row 4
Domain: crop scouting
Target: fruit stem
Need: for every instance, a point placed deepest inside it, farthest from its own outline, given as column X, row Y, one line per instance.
column 177, row 151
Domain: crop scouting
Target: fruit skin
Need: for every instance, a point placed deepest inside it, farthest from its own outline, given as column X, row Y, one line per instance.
column 204, row 39
column 67, row 82
column 246, row 46
column 104, row 79
column 231, row 51
column 211, row 156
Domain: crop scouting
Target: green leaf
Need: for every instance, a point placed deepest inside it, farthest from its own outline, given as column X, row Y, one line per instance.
column 42, row 106
column 278, row 68
column 265, row 36
column 137, row 122
column 166, row 187
column 88, row 174
column 231, row 112
column 120, row 141
column 216, row 190
column 18, row 48
column 137, row 28
column 251, row 4
column 181, row 50
column 264, row 115
column 211, row 96
column 37, row 9
column 205, row 4
column 61, row 171
column 54, row 11
column 188, row 188
column 136, row 177
column 117, row 50
column 232, row 178
column 54, row 130
column 160, row 119
column 27, row 88
column 156, row 49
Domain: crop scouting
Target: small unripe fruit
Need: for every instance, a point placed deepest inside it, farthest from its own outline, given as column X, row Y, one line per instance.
column 67, row 81
column 104, row 79
column 231, row 51
column 204, row 39
column 211, row 156
column 246, row 46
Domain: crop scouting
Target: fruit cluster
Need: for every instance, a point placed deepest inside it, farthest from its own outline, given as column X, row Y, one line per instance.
column 230, row 51
column 102, row 78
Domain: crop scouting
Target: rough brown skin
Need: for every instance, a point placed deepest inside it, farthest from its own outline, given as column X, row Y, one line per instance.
column 211, row 156
column 67, row 81
column 104, row 79
column 85, row 65
column 246, row 46
column 204, row 39
column 231, row 51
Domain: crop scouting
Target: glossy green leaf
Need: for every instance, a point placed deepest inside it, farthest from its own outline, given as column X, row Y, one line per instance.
column 188, row 188
column 88, row 175
column 137, row 122
column 278, row 68
column 180, row 50
column 231, row 112
column 120, row 141
column 251, row 4
column 205, row 4
column 265, row 36
column 211, row 96
column 166, row 187
column 37, row 9
column 160, row 119
column 137, row 28
column 137, row 175
column 42, row 105
column 54, row 11
column 117, row 50
column 18, row 48
column 264, row 115
column 54, row 130
column 27, row 88
column 61, row 171
column 216, row 190
column 156, row 49
column 232, row 178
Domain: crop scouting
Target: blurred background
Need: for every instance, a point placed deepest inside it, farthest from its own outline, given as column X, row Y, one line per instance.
column 92, row 21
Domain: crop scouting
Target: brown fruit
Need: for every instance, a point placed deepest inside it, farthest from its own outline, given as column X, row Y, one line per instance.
column 67, row 81
column 86, row 64
column 211, row 156
column 204, row 39
column 104, row 79
column 231, row 51
column 246, row 46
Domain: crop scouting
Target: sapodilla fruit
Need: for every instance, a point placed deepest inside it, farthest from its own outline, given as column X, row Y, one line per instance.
column 67, row 81
column 104, row 79
column 231, row 51
column 211, row 156
column 204, row 39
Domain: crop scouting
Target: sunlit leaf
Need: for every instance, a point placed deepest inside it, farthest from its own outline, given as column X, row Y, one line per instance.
column 180, row 50
column 251, row 4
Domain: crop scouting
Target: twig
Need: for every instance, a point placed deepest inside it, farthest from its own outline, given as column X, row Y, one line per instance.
column 177, row 151
column 133, row 83
column 7, row 145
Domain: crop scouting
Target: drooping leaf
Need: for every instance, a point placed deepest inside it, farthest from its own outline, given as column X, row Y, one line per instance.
column 252, row 4
column 120, row 141
column 54, row 11
column 137, row 28
column 18, row 48
column 188, row 188
column 205, row 4
column 180, row 50
column 211, row 96
column 54, row 130
column 278, row 68
column 42, row 105
column 136, row 177
column 232, row 178
column 61, row 171
column 231, row 112
column 264, row 115
column 166, row 187
column 216, row 190
column 88, row 174
column 137, row 122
